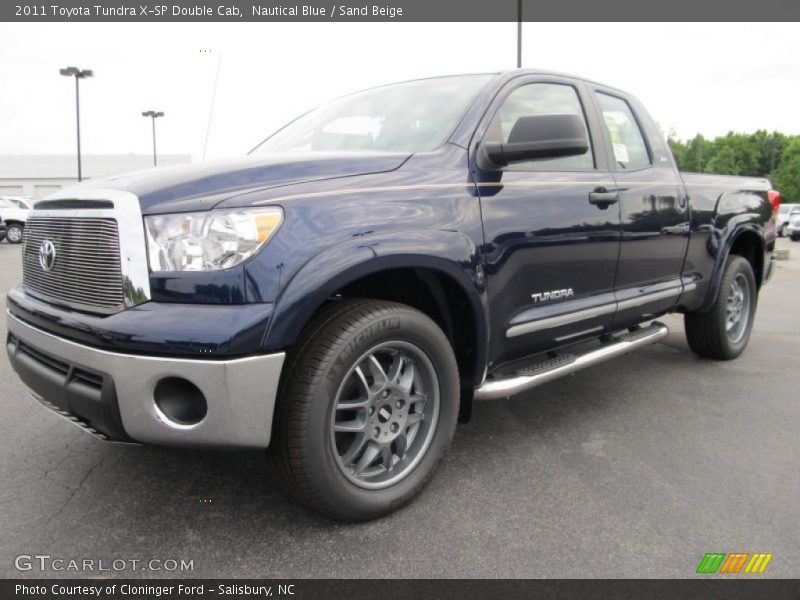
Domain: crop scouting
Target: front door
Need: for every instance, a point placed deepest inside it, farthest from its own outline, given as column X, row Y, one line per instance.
column 551, row 241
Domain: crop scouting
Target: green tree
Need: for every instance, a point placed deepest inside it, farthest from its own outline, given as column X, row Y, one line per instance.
column 692, row 155
column 734, row 154
column 769, row 147
column 786, row 177
column 761, row 154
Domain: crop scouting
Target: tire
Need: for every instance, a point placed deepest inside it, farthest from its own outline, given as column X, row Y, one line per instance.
column 796, row 237
column 782, row 231
column 336, row 431
column 14, row 233
column 723, row 331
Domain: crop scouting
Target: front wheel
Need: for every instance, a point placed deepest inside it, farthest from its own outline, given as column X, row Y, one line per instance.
column 14, row 233
column 782, row 231
column 795, row 237
column 367, row 409
column 723, row 332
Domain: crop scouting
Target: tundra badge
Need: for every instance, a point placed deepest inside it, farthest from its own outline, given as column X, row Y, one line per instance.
column 552, row 295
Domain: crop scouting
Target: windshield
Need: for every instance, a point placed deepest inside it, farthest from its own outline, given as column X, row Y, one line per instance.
column 416, row 116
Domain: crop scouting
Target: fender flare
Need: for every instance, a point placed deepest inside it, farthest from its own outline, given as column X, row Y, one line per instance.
column 449, row 252
column 729, row 237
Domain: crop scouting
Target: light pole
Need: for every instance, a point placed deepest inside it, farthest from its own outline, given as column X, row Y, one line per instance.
column 78, row 74
column 519, row 34
column 153, row 115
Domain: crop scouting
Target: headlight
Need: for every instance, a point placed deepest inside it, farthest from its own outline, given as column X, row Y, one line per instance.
column 208, row 241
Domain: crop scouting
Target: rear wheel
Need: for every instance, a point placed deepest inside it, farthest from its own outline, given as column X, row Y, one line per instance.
column 14, row 233
column 367, row 409
column 723, row 332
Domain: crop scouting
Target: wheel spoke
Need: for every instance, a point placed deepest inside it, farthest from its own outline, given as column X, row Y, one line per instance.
column 358, row 444
column 362, row 380
column 400, row 446
column 354, row 404
column 376, row 370
column 396, row 368
column 371, row 452
column 349, row 426
column 386, row 456
column 407, row 378
column 416, row 399
column 414, row 418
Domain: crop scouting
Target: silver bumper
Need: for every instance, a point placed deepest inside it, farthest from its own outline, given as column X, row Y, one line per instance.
column 240, row 393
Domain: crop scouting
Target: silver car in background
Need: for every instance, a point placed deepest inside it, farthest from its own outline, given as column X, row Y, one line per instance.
column 792, row 228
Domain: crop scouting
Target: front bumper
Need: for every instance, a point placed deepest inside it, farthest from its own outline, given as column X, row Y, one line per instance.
column 114, row 394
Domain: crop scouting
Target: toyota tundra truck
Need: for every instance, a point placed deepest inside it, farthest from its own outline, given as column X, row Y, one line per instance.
column 342, row 296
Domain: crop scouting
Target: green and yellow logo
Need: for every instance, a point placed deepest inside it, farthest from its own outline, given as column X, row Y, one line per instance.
column 720, row 562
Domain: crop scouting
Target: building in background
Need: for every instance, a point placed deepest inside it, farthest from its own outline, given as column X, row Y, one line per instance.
column 38, row 176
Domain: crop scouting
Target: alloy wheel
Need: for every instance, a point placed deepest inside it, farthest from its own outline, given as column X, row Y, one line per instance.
column 385, row 414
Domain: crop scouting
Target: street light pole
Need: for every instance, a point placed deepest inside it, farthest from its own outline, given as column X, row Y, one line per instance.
column 78, row 74
column 153, row 115
column 519, row 34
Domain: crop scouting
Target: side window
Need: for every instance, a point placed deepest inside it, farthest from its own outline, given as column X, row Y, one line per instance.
column 536, row 99
column 630, row 150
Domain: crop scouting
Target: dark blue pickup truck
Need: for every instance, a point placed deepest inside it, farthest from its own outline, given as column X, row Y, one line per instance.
column 343, row 296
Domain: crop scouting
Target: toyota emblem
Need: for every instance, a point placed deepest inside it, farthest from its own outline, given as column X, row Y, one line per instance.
column 47, row 255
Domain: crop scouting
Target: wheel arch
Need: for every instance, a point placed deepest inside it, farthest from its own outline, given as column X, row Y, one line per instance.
column 745, row 241
column 435, row 272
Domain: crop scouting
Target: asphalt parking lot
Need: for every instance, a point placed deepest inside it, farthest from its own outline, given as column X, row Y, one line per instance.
column 636, row 468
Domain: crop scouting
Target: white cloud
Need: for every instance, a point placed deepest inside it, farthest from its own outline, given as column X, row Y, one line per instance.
column 706, row 78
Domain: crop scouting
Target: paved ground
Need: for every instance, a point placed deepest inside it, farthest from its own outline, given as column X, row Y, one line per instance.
column 635, row 468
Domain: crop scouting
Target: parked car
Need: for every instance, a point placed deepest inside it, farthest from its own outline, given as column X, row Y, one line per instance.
column 343, row 297
column 785, row 214
column 15, row 211
column 2, row 229
column 793, row 228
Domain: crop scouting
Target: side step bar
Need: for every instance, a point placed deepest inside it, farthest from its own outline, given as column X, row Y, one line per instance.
column 565, row 364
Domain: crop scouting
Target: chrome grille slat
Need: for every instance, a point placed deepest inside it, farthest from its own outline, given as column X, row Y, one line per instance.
column 87, row 269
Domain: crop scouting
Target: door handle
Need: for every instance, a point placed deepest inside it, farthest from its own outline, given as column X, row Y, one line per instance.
column 603, row 198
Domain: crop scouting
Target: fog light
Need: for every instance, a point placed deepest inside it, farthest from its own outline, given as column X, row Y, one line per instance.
column 180, row 401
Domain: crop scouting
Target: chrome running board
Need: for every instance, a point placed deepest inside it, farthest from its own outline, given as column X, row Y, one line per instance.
column 537, row 374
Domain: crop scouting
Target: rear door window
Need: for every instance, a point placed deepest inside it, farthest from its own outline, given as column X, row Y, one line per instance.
column 630, row 149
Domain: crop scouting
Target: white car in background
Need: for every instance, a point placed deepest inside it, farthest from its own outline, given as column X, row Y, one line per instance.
column 14, row 210
column 793, row 227
column 785, row 214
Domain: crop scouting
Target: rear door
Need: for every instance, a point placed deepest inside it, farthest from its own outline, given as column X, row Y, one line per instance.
column 550, row 252
column 654, row 211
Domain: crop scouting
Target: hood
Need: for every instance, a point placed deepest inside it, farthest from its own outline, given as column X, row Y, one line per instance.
column 202, row 186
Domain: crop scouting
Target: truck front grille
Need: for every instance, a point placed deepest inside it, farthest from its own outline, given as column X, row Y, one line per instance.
column 85, row 273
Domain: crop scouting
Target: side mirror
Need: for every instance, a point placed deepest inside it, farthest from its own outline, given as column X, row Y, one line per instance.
column 540, row 136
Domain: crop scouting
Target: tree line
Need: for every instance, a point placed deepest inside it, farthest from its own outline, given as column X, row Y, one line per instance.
column 761, row 154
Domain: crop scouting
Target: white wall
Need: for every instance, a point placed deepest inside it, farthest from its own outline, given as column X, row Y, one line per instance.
column 39, row 176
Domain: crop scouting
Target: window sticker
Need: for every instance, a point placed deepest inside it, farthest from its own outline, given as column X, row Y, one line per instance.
column 621, row 153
